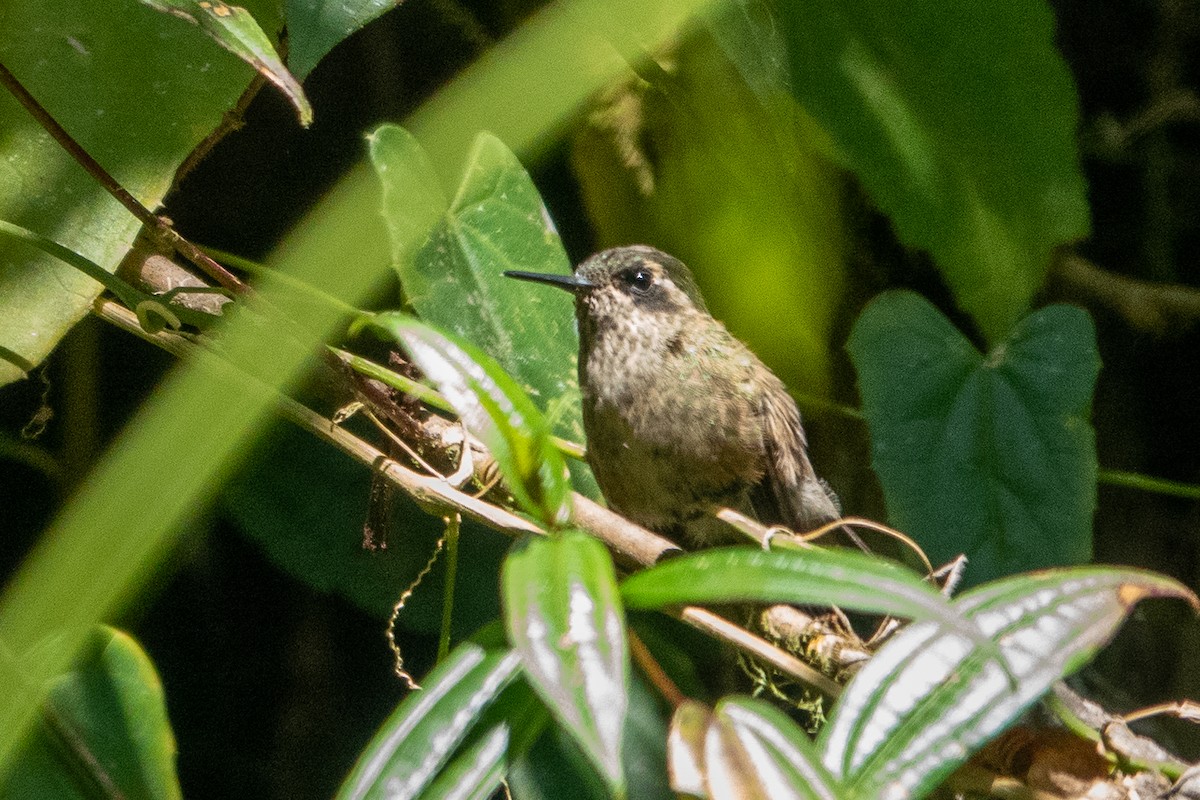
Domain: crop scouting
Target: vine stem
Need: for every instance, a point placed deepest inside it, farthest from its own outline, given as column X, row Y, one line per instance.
column 159, row 226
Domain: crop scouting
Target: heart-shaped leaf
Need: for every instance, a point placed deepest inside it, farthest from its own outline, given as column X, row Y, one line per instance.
column 493, row 408
column 990, row 456
column 929, row 697
column 564, row 617
column 451, row 256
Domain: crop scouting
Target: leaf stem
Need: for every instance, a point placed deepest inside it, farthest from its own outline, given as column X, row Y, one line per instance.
column 1134, row 480
column 453, row 523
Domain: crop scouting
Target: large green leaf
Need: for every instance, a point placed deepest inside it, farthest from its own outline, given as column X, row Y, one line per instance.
column 315, row 26
column 104, row 731
column 419, row 737
column 960, row 119
column 451, row 257
column 493, row 408
column 139, row 110
column 929, row 698
column 989, row 456
column 235, row 29
column 564, row 617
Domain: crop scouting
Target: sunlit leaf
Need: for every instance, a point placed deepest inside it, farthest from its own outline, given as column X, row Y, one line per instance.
column 104, row 731
column 140, row 130
column 685, row 748
column 315, row 26
column 493, row 408
column 929, row 697
column 754, row 750
column 408, row 752
column 960, row 119
column 475, row 773
column 843, row 578
column 564, row 617
column 451, row 257
column 235, row 29
column 989, row 456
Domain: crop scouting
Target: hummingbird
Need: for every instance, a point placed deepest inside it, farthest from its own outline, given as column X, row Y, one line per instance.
column 681, row 417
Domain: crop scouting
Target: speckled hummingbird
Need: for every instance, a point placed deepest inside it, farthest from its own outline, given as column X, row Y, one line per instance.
column 680, row 416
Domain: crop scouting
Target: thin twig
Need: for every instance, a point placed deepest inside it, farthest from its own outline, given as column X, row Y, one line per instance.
column 160, row 226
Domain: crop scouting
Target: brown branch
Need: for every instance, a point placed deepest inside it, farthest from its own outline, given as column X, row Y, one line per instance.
column 1149, row 307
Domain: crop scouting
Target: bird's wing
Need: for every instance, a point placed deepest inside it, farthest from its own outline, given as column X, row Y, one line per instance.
column 790, row 487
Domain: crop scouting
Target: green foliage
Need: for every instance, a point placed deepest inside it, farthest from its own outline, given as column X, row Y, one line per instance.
column 564, row 617
column 960, row 119
column 103, row 733
column 989, row 456
column 959, row 122
column 76, row 60
column 494, row 408
column 928, row 699
column 451, row 256
column 235, row 29
column 409, row 751
column 315, row 26
column 804, row 577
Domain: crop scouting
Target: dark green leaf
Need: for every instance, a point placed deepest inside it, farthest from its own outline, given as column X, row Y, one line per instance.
column 104, row 731
column 992, row 457
column 494, row 408
column 819, row 577
column 565, row 619
column 408, row 752
column 929, row 698
column 315, row 26
column 450, row 259
column 235, row 29
column 960, row 119
column 95, row 85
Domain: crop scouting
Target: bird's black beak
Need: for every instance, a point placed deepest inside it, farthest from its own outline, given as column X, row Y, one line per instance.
column 572, row 283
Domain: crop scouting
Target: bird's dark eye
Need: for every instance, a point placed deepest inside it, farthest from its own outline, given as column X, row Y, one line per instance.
column 639, row 280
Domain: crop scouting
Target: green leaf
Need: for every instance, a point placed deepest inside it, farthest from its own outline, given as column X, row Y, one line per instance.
column 992, row 457
column 564, row 617
column 235, row 29
column 960, row 119
column 475, row 773
column 451, row 258
column 408, row 751
column 755, row 750
column 315, row 26
column 928, row 698
column 818, row 577
column 77, row 60
column 104, row 731
column 493, row 408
